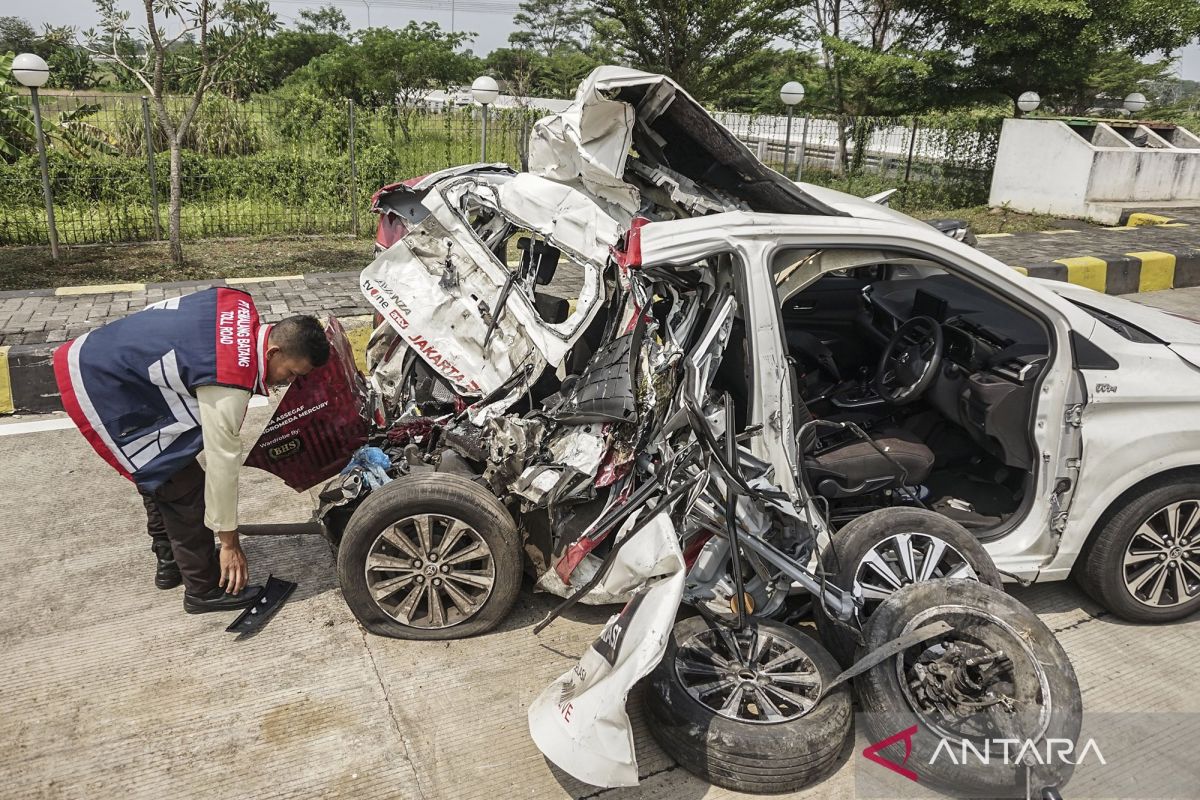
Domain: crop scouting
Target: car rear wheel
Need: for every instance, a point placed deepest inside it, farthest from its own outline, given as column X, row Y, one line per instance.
column 743, row 710
column 1144, row 563
column 882, row 551
column 432, row 556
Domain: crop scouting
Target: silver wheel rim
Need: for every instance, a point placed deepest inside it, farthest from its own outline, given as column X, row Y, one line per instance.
column 902, row 559
column 430, row 571
column 748, row 676
column 1161, row 566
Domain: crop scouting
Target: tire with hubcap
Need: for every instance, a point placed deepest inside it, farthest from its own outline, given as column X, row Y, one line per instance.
column 430, row 556
column 740, row 708
column 1143, row 563
column 882, row 551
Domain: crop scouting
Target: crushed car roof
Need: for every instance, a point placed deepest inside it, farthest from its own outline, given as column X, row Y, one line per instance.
column 619, row 111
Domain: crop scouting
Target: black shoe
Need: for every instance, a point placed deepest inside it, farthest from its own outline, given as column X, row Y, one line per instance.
column 167, row 575
column 219, row 600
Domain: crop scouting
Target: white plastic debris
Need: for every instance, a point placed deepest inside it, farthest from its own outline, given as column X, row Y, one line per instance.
column 579, row 721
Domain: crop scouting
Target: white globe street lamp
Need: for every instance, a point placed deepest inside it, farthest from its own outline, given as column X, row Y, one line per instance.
column 791, row 93
column 1028, row 101
column 1135, row 102
column 31, row 70
column 485, row 90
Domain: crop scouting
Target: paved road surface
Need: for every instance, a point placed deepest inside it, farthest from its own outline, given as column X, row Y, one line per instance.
column 110, row 691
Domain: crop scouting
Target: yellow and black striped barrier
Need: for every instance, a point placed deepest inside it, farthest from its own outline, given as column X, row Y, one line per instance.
column 1128, row 273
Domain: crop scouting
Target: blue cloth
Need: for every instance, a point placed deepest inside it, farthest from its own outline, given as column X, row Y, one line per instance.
column 374, row 464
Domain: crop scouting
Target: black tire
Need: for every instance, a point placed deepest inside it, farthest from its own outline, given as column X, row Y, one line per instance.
column 758, row 757
column 445, row 496
column 842, row 558
column 1103, row 572
column 1027, row 641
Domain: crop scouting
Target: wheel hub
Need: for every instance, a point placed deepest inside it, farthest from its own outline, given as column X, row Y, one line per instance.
column 980, row 679
column 748, row 676
column 904, row 559
column 1161, row 567
column 430, row 571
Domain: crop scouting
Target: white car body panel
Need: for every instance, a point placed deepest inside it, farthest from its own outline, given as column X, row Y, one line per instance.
column 447, row 325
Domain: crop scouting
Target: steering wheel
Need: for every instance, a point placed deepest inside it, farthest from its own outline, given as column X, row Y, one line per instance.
column 910, row 361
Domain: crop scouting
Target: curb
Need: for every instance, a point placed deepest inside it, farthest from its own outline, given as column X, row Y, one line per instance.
column 1137, row 219
column 27, row 382
column 1127, row 273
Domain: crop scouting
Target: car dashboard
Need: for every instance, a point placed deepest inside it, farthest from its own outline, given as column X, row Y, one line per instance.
column 991, row 359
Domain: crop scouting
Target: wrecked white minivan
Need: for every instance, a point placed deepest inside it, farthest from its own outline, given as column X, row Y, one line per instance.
column 582, row 372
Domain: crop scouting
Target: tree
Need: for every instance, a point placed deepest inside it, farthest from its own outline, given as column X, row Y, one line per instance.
column 389, row 67
column 71, row 66
column 1002, row 48
column 271, row 60
column 550, row 25
column 1116, row 75
column 222, row 33
column 326, row 19
column 17, row 35
column 528, row 73
column 704, row 45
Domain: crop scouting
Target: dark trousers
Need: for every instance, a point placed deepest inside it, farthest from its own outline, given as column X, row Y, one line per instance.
column 175, row 522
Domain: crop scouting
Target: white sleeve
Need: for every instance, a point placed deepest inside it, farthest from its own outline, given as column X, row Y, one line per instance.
column 222, row 410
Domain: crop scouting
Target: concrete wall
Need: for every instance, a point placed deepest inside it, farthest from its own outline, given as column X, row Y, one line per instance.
column 1043, row 166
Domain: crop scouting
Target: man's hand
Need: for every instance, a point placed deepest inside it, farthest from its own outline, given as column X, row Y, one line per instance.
column 234, row 571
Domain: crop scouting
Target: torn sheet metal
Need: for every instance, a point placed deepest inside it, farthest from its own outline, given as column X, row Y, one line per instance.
column 617, row 110
column 437, row 286
column 565, row 216
column 579, row 446
column 446, row 327
column 579, row 721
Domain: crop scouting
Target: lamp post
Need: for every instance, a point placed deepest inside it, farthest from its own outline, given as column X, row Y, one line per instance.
column 32, row 71
column 1028, row 101
column 485, row 91
column 1135, row 102
column 791, row 93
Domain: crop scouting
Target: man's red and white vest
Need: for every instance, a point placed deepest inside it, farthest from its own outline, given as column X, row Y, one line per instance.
column 130, row 386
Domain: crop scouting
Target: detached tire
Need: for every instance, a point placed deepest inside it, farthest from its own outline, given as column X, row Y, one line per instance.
column 1143, row 564
column 872, row 556
column 430, row 556
column 1033, row 671
column 750, row 753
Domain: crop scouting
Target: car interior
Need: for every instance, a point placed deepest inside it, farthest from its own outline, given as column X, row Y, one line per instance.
column 939, row 372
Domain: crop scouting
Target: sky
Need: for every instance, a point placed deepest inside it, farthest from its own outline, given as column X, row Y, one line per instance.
column 492, row 28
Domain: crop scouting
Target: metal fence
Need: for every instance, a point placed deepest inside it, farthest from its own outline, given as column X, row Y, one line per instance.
column 938, row 161
column 307, row 166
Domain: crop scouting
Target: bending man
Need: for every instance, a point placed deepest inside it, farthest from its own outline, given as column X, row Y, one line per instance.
column 154, row 389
